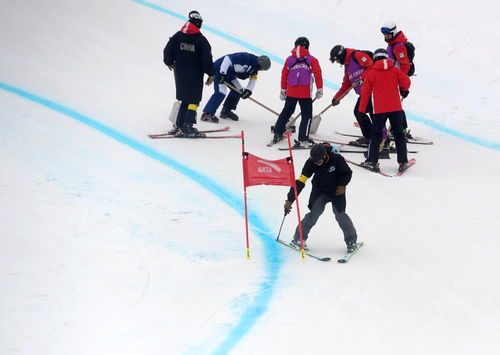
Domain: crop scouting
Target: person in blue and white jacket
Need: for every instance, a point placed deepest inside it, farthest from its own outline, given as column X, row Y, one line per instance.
column 229, row 69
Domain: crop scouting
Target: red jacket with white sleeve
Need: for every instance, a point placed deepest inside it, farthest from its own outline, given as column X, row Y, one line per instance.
column 364, row 61
column 397, row 52
column 381, row 83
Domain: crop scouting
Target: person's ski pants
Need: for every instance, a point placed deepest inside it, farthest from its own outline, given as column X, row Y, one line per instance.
column 287, row 112
column 186, row 114
column 364, row 120
column 220, row 92
column 338, row 208
column 396, row 120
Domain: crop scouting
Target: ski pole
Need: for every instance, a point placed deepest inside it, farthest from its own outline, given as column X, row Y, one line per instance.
column 279, row 232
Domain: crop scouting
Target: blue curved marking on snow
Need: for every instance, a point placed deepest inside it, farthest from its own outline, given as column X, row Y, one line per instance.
column 213, row 30
column 271, row 250
column 433, row 124
column 473, row 139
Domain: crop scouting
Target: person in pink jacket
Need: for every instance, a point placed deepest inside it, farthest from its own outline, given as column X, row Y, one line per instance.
column 299, row 73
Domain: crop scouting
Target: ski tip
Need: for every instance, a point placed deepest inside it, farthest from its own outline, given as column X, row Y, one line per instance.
column 325, row 259
column 342, row 261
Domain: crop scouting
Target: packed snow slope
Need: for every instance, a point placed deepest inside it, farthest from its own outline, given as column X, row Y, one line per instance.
column 113, row 243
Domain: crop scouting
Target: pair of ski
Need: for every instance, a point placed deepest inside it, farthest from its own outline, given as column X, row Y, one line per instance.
column 342, row 260
column 411, row 162
column 413, row 140
column 223, row 129
column 342, row 149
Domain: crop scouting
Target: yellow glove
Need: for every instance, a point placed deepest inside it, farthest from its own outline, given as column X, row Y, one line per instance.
column 340, row 190
column 287, row 207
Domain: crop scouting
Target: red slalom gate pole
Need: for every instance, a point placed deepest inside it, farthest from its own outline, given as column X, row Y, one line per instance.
column 296, row 198
column 243, row 155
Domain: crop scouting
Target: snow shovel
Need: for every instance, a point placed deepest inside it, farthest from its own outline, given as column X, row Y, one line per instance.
column 316, row 120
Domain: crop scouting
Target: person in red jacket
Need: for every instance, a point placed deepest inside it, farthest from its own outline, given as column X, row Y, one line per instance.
column 382, row 85
column 299, row 72
column 355, row 62
column 397, row 51
column 396, row 48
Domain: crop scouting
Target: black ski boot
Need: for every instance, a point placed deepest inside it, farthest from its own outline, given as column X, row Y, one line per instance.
column 402, row 167
column 190, row 132
column 360, row 142
column 351, row 247
column 209, row 117
column 370, row 166
column 228, row 114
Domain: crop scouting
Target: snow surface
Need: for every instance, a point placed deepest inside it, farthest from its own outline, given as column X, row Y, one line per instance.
column 113, row 243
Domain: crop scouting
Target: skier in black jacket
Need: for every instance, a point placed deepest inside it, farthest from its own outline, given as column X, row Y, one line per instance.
column 189, row 54
column 331, row 176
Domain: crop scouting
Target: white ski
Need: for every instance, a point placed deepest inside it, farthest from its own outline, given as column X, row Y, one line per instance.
column 349, row 255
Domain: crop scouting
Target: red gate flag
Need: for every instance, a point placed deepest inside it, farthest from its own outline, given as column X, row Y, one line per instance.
column 259, row 171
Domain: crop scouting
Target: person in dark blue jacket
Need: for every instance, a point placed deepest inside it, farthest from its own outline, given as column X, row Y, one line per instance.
column 189, row 55
column 229, row 69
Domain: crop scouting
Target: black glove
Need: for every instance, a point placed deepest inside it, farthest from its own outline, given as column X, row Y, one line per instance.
column 246, row 94
column 403, row 93
column 222, row 79
column 287, row 207
column 358, row 82
column 335, row 102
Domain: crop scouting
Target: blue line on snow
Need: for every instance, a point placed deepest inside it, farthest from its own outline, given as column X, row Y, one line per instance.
column 273, row 262
column 483, row 142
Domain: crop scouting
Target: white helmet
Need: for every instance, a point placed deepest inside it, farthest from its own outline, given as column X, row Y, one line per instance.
column 389, row 27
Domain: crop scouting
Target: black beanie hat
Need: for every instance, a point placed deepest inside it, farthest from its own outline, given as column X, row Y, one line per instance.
column 318, row 152
column 380, row 53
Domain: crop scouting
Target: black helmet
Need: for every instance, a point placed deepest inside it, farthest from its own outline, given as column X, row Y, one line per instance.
column 264, row 62
column 318, row 152
column 380, row 53
column 303, row 42
column 195, row 18
column 338, row 53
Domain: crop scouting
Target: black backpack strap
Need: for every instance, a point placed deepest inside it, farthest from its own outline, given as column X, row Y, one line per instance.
column 298, row 60
column 368, row 53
